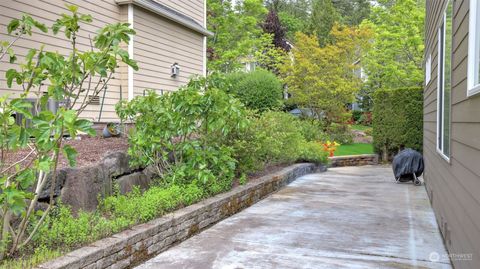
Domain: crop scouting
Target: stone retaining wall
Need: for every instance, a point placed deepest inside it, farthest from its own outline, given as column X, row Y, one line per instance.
column 135, row 245
column 354, row 160
column 80, row 187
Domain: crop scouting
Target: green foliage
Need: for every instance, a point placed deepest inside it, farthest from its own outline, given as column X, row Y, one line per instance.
column 47, row 75
column 115, row 213
column 323, row 17
column 183, row 134
column 311, row 130
column 395, row 58
column 237, row 34
column 352, row 12
column 281, row 136
column 322, row 79
column 313, row 152
column 340, row 132
column 356, row 115
column 278, row 138
column 366, row 119
column 397, row 120
column 40, row 255
column 292, row 24
column 259, row 90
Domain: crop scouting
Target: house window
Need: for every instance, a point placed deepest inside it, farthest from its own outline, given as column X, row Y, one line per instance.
column 444, row 82
column 428, row 69
column 474, row 49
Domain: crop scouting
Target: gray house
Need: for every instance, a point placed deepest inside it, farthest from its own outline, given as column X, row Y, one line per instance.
column 452, row 124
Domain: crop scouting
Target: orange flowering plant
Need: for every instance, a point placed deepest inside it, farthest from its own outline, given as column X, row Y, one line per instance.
column 330, row 147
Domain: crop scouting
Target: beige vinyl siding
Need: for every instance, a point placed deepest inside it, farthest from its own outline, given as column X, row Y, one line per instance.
column 191, row 8
column 47, row 11
column 158, row 44
column 454, row 187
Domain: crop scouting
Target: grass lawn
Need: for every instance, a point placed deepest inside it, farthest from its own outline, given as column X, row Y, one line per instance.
column 360, row 127
column 354, row 149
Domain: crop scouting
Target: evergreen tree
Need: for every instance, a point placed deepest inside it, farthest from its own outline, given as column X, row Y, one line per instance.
column 323, row 17
column 352, row 12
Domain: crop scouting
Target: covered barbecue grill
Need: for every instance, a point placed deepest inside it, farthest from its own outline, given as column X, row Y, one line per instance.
column 408, row 166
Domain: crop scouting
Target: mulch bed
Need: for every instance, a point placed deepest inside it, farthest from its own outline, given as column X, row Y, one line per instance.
column 90, row 150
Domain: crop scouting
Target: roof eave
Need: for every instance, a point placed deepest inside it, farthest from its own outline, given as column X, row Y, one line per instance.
column 159, row 9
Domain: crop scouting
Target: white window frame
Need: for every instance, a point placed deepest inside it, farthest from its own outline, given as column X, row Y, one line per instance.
column 473, row 49
column 428, row 69
column 441, row 83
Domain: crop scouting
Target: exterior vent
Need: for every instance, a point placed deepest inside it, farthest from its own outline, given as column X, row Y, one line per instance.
column 94, row 100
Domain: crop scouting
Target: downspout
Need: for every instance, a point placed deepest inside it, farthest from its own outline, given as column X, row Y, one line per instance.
column 130, row 53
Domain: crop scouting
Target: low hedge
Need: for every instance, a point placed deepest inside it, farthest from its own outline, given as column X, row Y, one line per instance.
column 397, row 120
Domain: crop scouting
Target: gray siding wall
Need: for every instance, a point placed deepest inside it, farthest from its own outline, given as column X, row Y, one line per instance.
column 454, row 187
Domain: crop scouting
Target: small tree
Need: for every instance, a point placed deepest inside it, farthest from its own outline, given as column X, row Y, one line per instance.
column 48, row 75
column 322, row 79
column 273, row 26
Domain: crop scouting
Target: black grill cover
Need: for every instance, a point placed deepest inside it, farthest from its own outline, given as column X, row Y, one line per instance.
column 406, row 163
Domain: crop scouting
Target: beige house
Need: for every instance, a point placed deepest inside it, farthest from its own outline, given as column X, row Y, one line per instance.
column 452, row 124
column 168, row 32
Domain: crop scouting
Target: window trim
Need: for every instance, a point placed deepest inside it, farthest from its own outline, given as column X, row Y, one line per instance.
column 441, row 83
column 473, row 54
column 428, row 69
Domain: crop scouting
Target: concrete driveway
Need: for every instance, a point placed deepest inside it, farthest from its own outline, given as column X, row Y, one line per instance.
column 351, row 217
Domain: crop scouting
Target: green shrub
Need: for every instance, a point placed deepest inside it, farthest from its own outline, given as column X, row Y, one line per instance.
column 281, row 137
column 313, row 152
column 397, row 120
column 341, row 133
column 366, row 119
column 356, row 115
column 184, row 134
column 311, row 130
column 259, row 90
column 278, row 138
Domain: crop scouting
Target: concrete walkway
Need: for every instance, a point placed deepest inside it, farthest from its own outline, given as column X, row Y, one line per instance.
column 353, row 217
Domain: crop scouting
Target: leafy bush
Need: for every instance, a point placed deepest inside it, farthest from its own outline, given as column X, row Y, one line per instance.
column 259, row 90
column 182, row 135
column 311, row 130
column 281, row 135
column 340, row 133
column 365, row 119
column 397, row 120
column 356, row 115
column 314, row 152
column 278, row 138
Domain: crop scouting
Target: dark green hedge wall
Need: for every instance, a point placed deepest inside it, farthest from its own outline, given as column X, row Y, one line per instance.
column 397, row 120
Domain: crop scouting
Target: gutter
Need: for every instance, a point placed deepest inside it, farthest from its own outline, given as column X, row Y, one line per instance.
column 168, row 13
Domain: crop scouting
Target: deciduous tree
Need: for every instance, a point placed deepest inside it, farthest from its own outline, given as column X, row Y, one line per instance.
column 236, row 32
column 395, row 57
column 322, row 78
